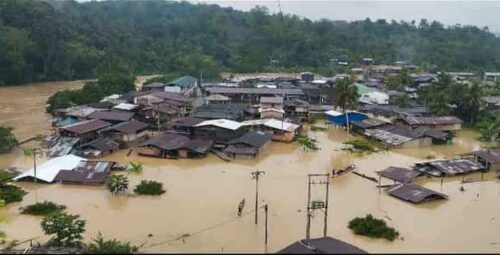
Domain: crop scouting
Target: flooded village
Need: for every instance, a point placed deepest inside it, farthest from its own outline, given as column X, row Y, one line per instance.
column 429, row 177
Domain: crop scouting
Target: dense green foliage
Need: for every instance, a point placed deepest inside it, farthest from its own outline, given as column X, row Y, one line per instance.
column 10, row 193
column 445, row 97
column 345, row 95
column 67, row 229
column 42, row 208
column 117, row 183
column 6, row 176
column 92, row 92
column 371, row 227
column 101, row 246
column 69, row 40
column 149, row 188
column 135, row 167
column 307, row 143
column 7, row 140
column 362, row 145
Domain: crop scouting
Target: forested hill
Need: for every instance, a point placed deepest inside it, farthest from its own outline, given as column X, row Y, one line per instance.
column 69, row 40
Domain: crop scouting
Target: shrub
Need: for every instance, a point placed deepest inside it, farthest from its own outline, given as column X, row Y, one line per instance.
column 316, row 128
column 117, row 183
column 135, row 167
column 7, row 140
column 102, row 246
column 149, row 188
column 371, row 227
column 362, row 145
column 68, row 229
column 5, row 176
column 43, row 208
column 307, row 143
column 11, row 193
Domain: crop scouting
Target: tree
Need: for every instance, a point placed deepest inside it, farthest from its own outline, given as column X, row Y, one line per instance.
column 345, row 96
column 117, row 183
column 101, row 246
column 43, row 208
column 67, row 229
column 11, row 194
column 372, row 227
column 7, row 139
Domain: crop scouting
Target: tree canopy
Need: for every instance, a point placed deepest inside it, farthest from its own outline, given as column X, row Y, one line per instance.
column 54, row 40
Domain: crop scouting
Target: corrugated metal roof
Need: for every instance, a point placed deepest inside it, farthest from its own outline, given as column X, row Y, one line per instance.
column 48, row 170
column 257, row 91
column 87, row 126
column 414, row 193
column 222, row 123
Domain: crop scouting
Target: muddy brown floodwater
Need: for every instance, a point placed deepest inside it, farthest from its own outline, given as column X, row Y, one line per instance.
column 199, row 211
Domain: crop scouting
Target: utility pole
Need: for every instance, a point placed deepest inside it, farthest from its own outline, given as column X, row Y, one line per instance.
column 255, row 176
column 324, row 179
column 266, row 210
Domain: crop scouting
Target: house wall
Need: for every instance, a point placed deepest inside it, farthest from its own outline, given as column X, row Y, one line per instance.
column 149, row 151
column 283, row 137
column 271, row 114
column 417, row 143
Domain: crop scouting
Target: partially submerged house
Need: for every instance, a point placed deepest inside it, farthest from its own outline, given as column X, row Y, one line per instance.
column 441, row 123
column 393, row 112
column 86, row 173
column 228, row 111
column 323, row 245
column 48, row 170
column 86, row 131
column 126, row 133
column 112, row 116
column 341, row 119
column 271, row 107
column 185, row 85
column 414, row 193
column 451, row 167
column 489, row 158
column 248, row 145
column 99, row 147
column 219, row 130
column 282, row 131
column 398, row 174
column 297, row 108
column 171, row 145
column 184, row 125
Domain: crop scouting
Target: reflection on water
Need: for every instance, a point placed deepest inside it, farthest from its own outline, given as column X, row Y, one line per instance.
column 203, row 194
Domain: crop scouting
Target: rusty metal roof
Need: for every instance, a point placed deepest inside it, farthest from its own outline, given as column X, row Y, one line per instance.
column 87, row 126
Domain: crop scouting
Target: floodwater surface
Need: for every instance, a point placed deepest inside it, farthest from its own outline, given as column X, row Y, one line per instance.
column 198, row 213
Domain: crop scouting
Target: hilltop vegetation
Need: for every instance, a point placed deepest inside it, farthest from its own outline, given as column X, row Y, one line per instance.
column 70, row 40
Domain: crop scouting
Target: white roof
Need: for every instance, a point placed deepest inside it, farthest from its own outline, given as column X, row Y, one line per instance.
column 113, row 96
column 271, row 110
column 319, row 81
column 125, row 106
column 222, row 123
column 333, row 113
column 272, row 123
column 47, row 171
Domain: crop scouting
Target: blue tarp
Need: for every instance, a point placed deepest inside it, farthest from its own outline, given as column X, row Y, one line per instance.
column 341, row 119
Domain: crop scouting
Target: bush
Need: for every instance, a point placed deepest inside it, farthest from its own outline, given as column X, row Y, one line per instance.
column 316, row 128
column 11, row 193
column 6, row 176
column 149, row 188
column 7, row 140
column 68, row 229
column 371, row 227
column 135, row 167
column 362, row 145
column 117, row 183
column 43, row 208
column 307, row 143
column 101, row 246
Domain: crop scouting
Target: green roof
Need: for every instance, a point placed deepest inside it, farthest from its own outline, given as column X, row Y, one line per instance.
column 184, row 81
column 362, row 89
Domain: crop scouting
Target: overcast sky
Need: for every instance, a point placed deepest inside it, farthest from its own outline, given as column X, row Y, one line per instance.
column 479, row 13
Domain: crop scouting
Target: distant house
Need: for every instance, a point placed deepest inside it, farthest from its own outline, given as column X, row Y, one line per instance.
column 125, row 107
column 86, row 173
column 184, row 125
column 441, row 123
column 253, row 95
column 220, row 130
column 249, row 145
column 282, row 131
column 156, row 86
column 491, row 77
column 368, row 61
column 414, row 193
column 406, row 137
column 172, row 146
column 271, row 107
column 99, row 147
column 297, row 108
column 306, row 76
column 393, row 112
column 452, row 167
column 229, row 111
column 86, row 131
column 492, row 102
column 375, row 97
column 126, row 133
column 184, row 85
column 324, row 245
column 112, row 116
column 217, row 99
column 339, row 118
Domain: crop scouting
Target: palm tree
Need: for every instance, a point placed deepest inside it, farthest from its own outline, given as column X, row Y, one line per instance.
column 117, row 183
column 345, row 96
column 135, row 167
